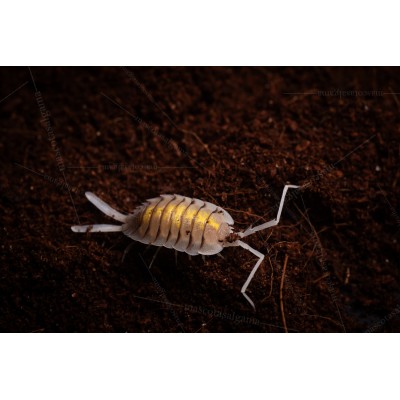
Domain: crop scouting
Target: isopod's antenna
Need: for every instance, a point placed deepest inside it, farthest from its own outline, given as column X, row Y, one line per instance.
column 260, row 256
column 107, row 210
column 273, row 222
column 253, row 271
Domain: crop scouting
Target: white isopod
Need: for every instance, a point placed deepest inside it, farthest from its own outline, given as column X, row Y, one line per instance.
column 184, row 224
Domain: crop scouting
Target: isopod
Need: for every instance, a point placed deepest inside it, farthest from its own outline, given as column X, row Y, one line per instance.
column 185, row 224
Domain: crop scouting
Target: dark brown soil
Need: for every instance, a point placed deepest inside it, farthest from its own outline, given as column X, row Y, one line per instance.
column 231, row 136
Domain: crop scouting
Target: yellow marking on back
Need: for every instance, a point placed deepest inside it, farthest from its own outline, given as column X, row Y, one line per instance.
column 202, row 216
column 168, row 210
column 190, row 214
column 214, row 221
column 180, row 209
column 147, row 214
column 158, row 211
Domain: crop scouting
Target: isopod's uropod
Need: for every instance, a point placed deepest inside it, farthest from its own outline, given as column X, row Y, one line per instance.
column 184, row 224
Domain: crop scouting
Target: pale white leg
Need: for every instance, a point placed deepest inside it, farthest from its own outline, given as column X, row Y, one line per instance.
column 147, row 249
column 273, row 222
column 155, row 255
column 96, row 228
column 254, row 270
column 127, row 250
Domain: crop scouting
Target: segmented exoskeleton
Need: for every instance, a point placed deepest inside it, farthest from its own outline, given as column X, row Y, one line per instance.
column 185, row 224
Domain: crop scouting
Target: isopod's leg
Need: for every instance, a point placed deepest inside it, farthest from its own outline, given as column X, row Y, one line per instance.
column 274, row 221
column 126, row 251
column 253, row 271
column 154, row 257
column 147, row 248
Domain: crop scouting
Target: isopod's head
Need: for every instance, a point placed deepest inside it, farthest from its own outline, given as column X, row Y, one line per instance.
column 223, row 233
column 217, row 232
